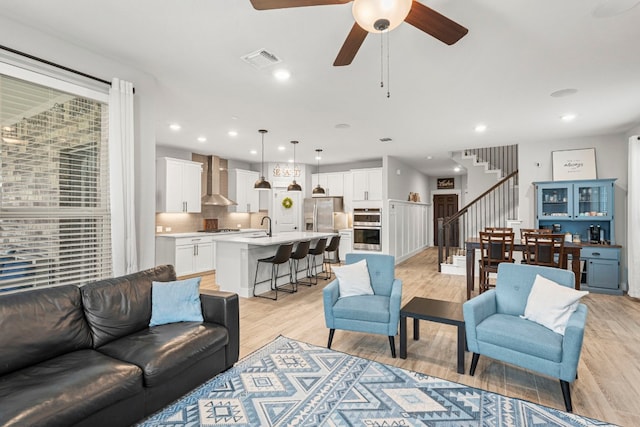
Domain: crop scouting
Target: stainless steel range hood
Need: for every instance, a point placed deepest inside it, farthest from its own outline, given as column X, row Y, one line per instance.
column 214, row 196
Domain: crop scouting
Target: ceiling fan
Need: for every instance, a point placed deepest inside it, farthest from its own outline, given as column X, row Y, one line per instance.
column 376, row 16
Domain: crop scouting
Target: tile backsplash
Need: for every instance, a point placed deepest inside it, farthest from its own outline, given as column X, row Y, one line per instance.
column 186, row 223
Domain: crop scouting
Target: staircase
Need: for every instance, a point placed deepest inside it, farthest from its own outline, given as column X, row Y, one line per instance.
column 492, row 207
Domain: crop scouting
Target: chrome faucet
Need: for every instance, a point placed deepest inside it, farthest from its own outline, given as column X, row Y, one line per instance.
column 262, row 223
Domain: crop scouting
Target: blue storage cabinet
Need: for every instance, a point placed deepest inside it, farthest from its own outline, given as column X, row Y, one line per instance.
column 573, row 206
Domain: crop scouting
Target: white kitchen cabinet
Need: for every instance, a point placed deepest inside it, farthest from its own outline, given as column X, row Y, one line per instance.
column 241, row 190
column 367, row 184
column 332, row 182
column 188, row 255
column 346, row 243
column 178, row 185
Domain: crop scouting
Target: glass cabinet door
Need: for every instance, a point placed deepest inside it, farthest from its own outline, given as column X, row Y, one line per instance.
column 555, row 201
column 593, row 199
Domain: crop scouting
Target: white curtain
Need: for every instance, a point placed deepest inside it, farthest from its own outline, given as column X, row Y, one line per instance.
column 121, row 166
column 633, row 217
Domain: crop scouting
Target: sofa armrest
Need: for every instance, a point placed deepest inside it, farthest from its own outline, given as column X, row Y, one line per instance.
column 395, row 299
column 474, row 312
column 572, row 343
column 330, row 295
column 223, row 308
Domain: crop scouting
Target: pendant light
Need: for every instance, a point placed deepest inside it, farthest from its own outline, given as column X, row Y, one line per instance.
column 262, row 184
column 294, row 186
column 318, row 189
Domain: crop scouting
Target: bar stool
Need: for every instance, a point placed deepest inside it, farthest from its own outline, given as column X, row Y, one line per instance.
column 282, row 255
column 301, row 252
column 312, row 266
column 333, row 247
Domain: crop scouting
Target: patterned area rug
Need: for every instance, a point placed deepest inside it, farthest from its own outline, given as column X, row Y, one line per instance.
column 291, row 383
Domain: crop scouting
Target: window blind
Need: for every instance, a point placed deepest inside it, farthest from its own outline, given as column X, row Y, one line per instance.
column 54, row 191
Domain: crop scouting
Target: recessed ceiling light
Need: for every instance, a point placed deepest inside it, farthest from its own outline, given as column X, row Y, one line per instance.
column 480, row 128
column 568, row 117
column 174, row 126
column 456, row 169
column 253, row 152
column 280, row 147
column 564, row 92
column 318, row 157
column 342, row 126
column 281, row 74
column 290, row 160
column 202, row 139
column 429, row 157
column 232, row 133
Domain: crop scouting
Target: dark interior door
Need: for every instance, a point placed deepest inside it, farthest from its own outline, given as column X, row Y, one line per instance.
column 444, row 206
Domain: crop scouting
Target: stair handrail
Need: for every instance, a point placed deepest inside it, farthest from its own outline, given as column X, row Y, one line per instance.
column 445, row 222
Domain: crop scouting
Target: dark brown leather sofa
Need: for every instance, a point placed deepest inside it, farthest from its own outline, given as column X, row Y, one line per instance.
column 85, row 356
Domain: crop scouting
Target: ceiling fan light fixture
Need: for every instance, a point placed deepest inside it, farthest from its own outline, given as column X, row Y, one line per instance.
column 376, row 16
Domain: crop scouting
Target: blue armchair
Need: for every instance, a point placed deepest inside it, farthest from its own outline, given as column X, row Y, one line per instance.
column 375, row 314
column 495, row 329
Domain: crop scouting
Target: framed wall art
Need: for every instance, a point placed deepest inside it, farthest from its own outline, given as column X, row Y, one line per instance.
column 445, row 183
column 574, row 164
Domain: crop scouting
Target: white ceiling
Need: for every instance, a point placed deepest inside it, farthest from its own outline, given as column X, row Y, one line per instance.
column 501, row 73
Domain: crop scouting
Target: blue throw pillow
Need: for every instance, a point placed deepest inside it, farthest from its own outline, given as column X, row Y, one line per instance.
column 177, row 301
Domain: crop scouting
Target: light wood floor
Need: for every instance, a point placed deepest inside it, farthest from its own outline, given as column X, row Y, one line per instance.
column 608, row 387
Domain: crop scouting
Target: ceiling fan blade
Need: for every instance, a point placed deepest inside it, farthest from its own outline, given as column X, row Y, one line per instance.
column 283, row 4
column 435, row 24
column 351, row 45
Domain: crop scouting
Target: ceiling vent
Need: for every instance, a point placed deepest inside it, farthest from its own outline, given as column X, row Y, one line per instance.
column 261, row 59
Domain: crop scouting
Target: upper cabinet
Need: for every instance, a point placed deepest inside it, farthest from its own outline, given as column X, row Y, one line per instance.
column 332, row 182
column 570, row 204
column 241, row 190
column 178, row 185
column 367, row 184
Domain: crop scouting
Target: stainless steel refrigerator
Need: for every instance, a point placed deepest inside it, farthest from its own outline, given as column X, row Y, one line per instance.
column 320, row 213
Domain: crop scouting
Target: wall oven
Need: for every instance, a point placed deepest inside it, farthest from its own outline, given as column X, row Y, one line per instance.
column 367, row 229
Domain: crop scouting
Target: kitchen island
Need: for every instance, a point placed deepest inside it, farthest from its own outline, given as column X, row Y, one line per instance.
column 237, row 257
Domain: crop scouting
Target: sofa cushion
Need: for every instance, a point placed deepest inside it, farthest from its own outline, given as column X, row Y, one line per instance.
column 517, row 334
column 164, row 351
column 67, row 389
column 353, row 279
column 369, row 308
column 40, row 324
column 551, row 304
column 177, row 301
column 514, row 283
column 121, row 306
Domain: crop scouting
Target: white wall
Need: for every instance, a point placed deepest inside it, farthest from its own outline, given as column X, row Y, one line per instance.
column 65, row 53
column 407, row 180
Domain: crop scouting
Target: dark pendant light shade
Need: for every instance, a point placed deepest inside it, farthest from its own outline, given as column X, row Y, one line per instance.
column 262, row 184
column 318, row 189
column 294, row 186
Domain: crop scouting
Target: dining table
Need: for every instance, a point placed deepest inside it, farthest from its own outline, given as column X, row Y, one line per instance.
column 570, row 248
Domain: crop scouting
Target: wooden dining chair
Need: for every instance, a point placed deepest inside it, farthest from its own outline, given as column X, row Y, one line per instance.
column 498, row 229
column 495, row 248
column 523, row 234
column 544, row 249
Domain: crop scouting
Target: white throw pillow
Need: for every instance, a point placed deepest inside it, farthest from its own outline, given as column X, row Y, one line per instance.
column 353, row 279
column 551, row 304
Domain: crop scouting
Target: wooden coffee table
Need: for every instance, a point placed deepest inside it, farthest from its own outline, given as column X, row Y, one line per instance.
column 433, row 310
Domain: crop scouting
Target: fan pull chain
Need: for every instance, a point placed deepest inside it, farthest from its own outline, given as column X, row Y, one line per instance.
column 382, row 59
column 388, row 68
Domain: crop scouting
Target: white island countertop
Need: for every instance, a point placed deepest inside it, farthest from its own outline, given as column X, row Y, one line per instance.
column 261, row 239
